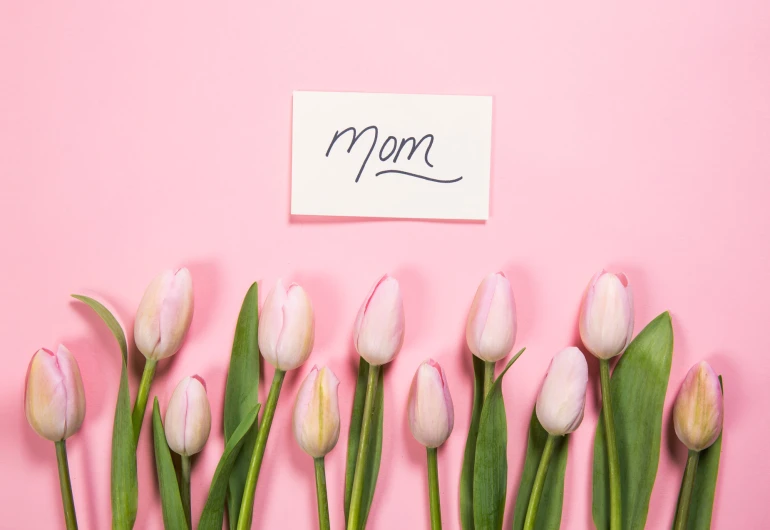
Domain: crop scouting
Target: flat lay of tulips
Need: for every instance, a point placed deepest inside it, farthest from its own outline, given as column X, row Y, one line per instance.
column 626, row 446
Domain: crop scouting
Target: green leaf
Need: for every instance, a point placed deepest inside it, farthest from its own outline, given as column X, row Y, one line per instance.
column 702, row 501
column 549, row 511
column 124, row 491
column 241, row 396
column 170, row 499
column 490, row 470
column 374, row 455
column 214, row 509
column 638, row 390
column 469, row 458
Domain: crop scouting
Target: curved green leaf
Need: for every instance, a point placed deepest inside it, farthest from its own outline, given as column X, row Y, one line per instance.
column 490, row 470
column 214, row 509
column 469, row 457
column 549, row 511
column 702, row 501
column 638, row 390
column 170, row 499
column 124, row 492
column 241, row 396
column 374, row 455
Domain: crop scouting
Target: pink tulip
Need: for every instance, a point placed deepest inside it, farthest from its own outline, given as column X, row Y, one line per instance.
column 562, row 399
column 430, row 409
column 54, row 399
column 607, row 315
column 379, row 329
column 316, row 418
column 698, row 409
column 491, row 327
column 164, row 314
column 286, row 327
column 188, row 417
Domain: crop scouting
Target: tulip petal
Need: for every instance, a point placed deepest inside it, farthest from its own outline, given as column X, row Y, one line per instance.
column 562, row 398
column 176, row 313
column 75, row 394
column 379, row 331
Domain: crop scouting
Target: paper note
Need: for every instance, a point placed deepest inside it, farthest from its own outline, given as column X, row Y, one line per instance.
column 391, row 155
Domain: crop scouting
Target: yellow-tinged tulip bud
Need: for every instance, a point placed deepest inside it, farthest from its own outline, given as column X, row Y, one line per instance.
column 316, row 418
column 698, row 409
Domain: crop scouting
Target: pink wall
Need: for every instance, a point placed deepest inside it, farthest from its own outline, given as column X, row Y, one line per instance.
column 140, row 136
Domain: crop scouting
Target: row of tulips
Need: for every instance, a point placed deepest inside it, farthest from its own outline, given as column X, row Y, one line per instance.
column 55, row 405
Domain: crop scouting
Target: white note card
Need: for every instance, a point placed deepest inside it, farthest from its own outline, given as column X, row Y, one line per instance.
column 391, row 155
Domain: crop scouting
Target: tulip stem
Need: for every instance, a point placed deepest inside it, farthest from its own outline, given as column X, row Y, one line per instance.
column 247, row 504
column 685, row 494
column 137, row 417
column 489, row 377
column 435, row 501
column 320, row 490
column 612, row 448
column 363, row 448
column 185, row 491
column 66, row 486
column 537, row 487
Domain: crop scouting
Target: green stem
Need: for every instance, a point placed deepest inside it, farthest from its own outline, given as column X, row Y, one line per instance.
column 247, row 504
column 185, row 491
column 489, row 377
column 537, row 487
column 435, row 501
column 141, row 397
column 683, row 508
column 320, row 491
column 66, row 486
column 363, row 448
column 612, row 448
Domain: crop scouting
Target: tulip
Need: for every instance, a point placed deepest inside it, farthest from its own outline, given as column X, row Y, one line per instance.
column 188, row 417
column 379, row 329
column 562, row 397
column 431, row 414
column 316, row 425
column 164, row 314
column 491, row 327
column 698, row 408
column 286, row 332
column 317, row 413
column 378, row 334
column 698, row 415
column 607, row 315
column 187, row 425
column 162, row 321
column 559, row 409
column 55, row 405
column 55, row 402
column 286, row 327
column 431, row 418
column 606, row 325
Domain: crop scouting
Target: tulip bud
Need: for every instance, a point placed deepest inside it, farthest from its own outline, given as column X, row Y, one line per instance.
column 164, row 314
column 379, row 329
column 54, row 399
column 188, row 417
column 430, row 410
column 607, row 315
column 317, row 413
column 491, row 327
column 286, row 327
column 698, row 409
column 562, row 398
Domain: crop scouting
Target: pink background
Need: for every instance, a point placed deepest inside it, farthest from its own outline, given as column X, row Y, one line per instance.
column 139, row 137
